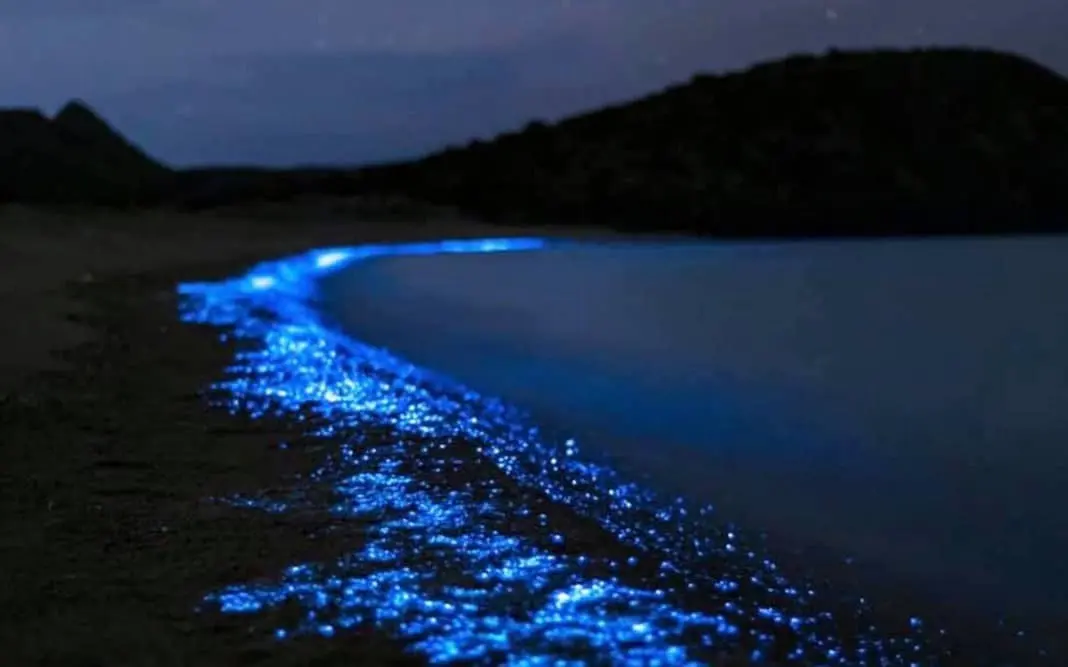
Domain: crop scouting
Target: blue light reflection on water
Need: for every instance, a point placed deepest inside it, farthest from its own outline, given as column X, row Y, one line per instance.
column 465, row 569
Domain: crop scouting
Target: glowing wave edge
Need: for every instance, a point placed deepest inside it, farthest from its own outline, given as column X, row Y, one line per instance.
column 476, row 525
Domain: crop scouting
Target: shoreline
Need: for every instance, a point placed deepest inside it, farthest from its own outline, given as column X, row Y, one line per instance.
column 102, row 455
column 307, row 372
column 108, row 451
column 370, row 292
column 107, row 468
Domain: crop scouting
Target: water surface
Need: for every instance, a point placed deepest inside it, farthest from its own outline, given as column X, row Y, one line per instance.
column 899, row 402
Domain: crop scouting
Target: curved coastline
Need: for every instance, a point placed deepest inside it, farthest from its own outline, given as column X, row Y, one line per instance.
column 259, row 282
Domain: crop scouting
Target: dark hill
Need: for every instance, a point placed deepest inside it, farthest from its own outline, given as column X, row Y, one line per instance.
column 938, row 140
column 922, row 141
column 86, row 131
column 74, row 158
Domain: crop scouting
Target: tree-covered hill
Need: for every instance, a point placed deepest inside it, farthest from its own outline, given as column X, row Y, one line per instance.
column 865, row 142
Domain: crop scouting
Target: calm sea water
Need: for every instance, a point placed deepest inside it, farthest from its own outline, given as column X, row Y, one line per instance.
column 903, row 404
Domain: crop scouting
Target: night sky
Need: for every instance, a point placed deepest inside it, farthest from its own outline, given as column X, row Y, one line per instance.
column 301, row 81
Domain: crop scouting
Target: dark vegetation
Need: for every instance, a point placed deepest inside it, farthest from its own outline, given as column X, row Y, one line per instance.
column 924, row 141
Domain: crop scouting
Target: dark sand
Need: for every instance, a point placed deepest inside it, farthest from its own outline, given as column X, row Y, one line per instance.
column 107, row 452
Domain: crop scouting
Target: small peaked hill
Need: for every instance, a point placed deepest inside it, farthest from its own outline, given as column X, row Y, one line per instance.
column 930, row 140
column 74, row 158
column 85, row 130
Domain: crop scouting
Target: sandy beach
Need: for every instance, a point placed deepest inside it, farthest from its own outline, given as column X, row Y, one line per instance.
column 43, row 252
column 111, row 457
column 108, row 452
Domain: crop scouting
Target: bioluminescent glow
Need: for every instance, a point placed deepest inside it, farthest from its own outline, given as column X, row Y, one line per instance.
column 486, row 540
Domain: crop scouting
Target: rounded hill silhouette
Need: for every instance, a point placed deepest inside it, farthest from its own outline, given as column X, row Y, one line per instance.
column 924, row 140
column 939, row 140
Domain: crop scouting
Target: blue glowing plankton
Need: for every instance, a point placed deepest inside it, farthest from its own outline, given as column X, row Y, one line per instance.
column 487, row 541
